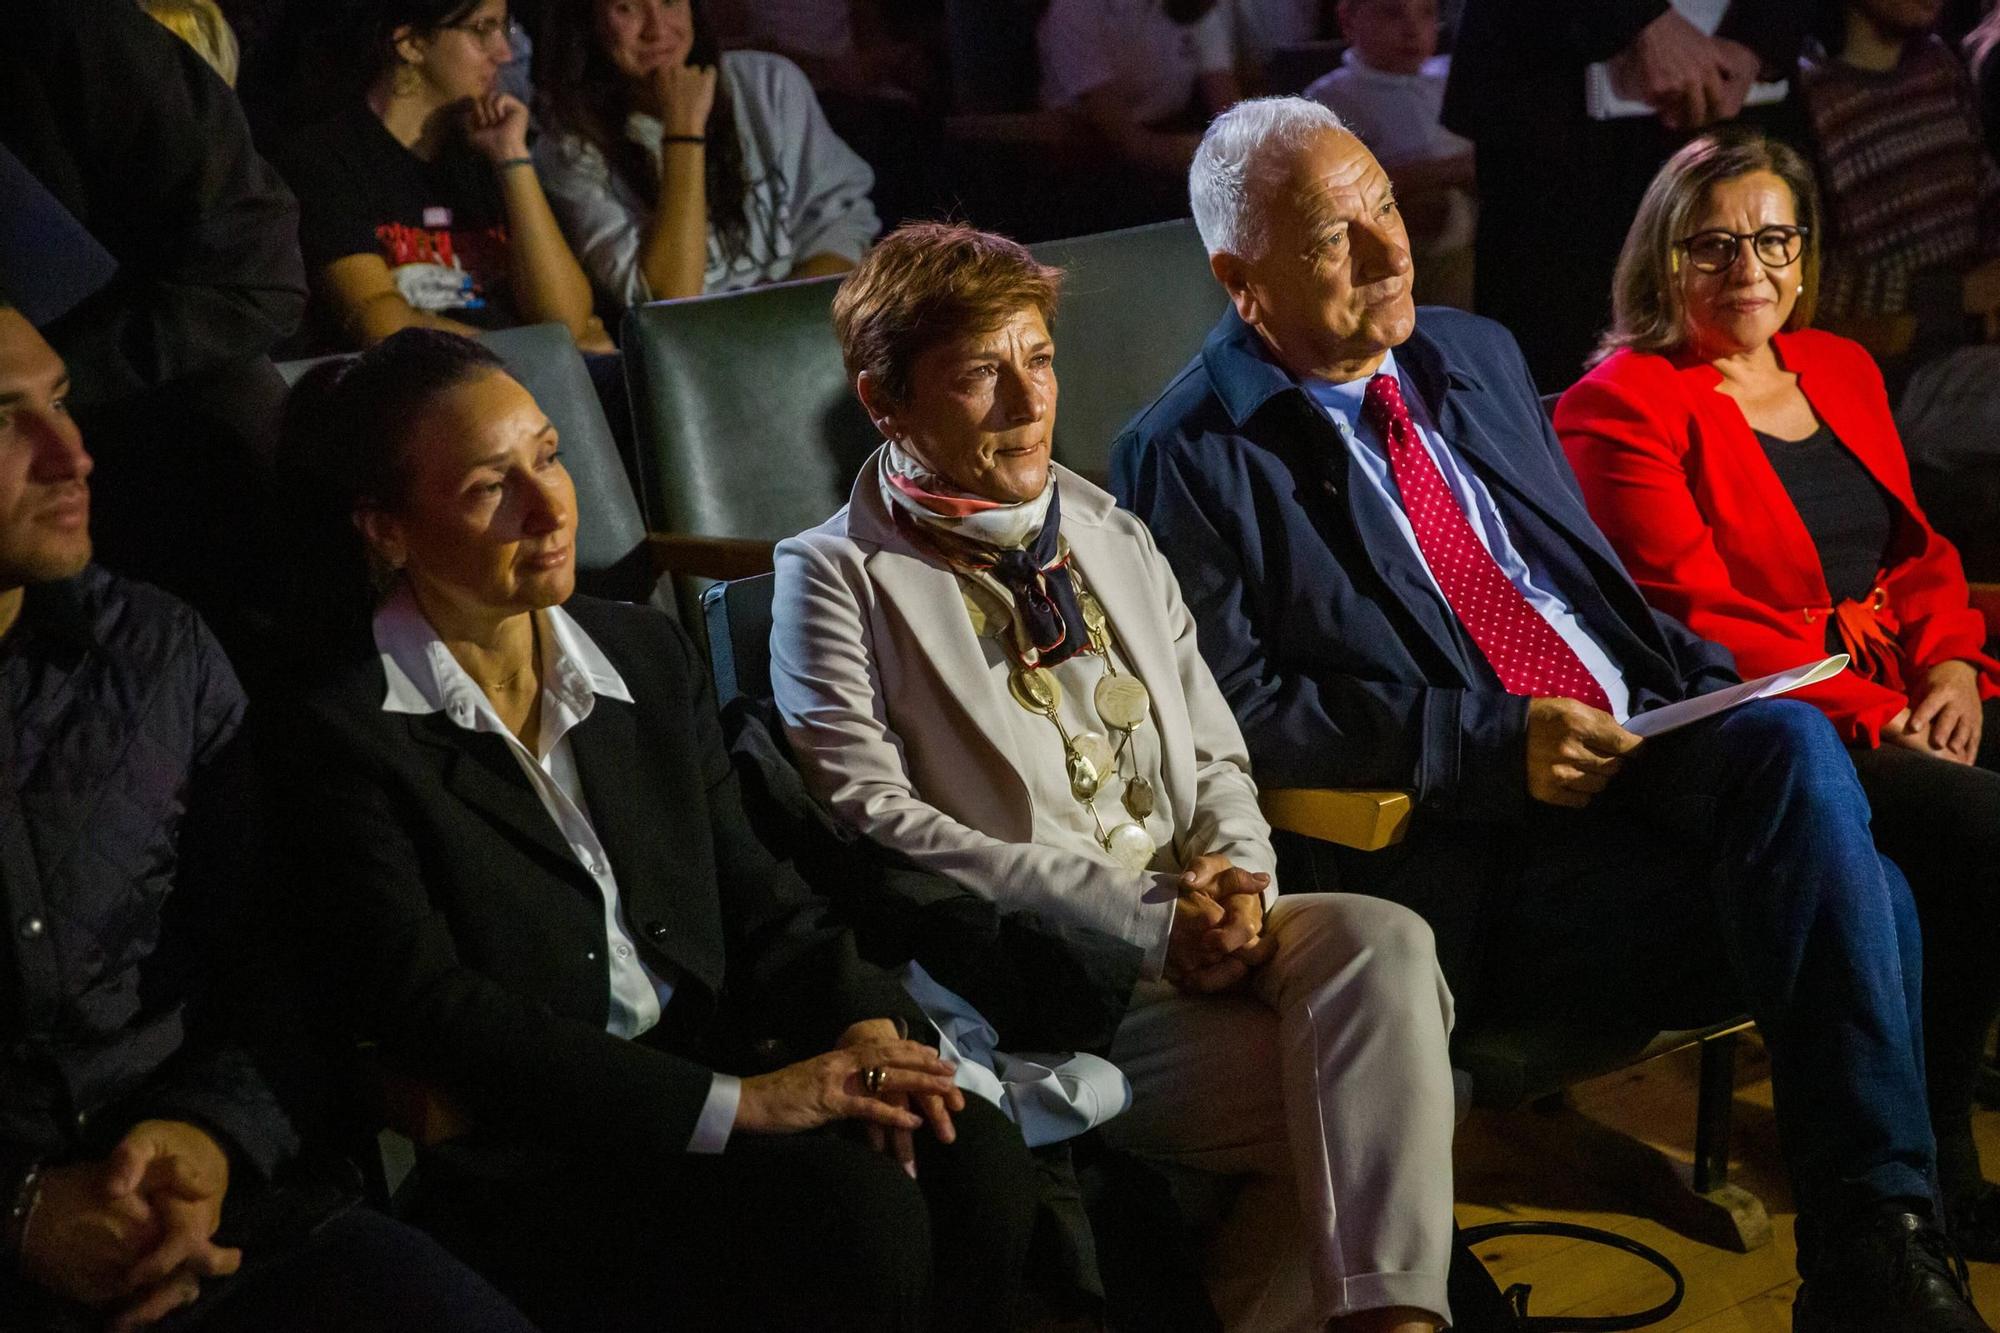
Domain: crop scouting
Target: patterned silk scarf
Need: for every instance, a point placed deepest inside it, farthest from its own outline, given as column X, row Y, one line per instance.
column 1018, row 546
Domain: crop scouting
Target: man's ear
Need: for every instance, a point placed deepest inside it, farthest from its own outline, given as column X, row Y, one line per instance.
column 1234, row 275
column 875, row 400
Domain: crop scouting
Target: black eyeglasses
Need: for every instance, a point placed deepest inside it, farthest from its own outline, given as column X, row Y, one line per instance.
column 1714, row 251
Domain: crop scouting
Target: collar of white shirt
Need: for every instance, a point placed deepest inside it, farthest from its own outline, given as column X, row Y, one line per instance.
column 1343, row 400
column 421, row 676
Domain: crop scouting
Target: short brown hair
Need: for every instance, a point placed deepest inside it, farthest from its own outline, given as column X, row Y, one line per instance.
column 927, row 282
column 1647, row 313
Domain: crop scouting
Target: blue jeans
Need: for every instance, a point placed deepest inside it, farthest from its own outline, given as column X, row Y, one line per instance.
column 1730, row 867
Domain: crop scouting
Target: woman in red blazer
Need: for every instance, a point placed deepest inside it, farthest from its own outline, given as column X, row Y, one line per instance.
column 1748, row 471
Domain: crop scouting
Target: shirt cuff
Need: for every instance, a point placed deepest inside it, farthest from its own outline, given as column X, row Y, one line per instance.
column 718, row 1115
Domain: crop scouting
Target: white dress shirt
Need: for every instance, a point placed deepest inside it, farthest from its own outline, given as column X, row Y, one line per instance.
column 423, row 677
column 1342, row 405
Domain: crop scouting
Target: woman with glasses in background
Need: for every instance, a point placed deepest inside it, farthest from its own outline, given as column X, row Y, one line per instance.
column 419, row 205
column 1748, row 471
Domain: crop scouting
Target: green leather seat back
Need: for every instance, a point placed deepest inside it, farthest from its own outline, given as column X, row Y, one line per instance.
column 1136, row 306
column 744, row 421
column 611, row 555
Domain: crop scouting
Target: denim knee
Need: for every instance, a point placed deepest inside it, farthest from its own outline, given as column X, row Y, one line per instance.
column 1794, row 738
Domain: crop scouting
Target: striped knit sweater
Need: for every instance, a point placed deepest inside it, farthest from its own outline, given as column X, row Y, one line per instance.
column 1906, row 182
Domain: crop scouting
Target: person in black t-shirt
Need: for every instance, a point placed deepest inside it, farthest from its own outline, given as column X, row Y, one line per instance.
column 419, row 204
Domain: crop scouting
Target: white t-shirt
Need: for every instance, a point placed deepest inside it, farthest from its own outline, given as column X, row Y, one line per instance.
column 1133, row 49
column 1397, row 115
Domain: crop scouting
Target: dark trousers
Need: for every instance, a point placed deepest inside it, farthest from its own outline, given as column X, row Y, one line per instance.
column 809, row 1231
column 359, row 1272
column 1730, row 867
column 1940, row 822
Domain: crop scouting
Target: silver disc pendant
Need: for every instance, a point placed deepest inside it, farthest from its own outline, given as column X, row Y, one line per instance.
column 1122, row 700
column 1138, row 799
column 1130, row 846
column 1035, row 689
column 1098, row 749
column 1084, row 776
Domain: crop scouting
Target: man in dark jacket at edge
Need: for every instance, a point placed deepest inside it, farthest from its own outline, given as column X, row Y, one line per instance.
column 147, row 149
column 140, row 1146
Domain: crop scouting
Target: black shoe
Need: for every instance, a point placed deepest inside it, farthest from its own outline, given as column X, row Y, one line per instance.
column 1885, row 1272
column 1975, row 1223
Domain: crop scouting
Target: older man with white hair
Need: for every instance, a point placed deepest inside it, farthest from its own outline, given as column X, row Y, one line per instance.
column 1398, row 586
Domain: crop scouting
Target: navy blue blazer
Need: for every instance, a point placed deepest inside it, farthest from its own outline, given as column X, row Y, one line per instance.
column 1342, row 664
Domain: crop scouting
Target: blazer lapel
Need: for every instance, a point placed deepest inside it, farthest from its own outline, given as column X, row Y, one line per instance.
column 612, row 764
column 478, row 769
column 928, row 608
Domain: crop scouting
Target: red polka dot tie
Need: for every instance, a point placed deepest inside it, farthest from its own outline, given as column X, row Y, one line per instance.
column 1526, row 652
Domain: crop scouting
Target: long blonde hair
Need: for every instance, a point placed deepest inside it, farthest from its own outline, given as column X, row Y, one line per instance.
column 1647, row 313
column 201, row 25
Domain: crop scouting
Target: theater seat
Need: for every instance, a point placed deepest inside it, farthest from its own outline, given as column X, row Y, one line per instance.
column 612, row 556
column 745, row 425
column 1136, row 307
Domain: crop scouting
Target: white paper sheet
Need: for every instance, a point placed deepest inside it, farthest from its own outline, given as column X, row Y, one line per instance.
column 1675, row 716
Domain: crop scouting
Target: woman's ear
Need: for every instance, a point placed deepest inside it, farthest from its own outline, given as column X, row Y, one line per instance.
column 383, row 536
column 407, row 44
column 875, row 400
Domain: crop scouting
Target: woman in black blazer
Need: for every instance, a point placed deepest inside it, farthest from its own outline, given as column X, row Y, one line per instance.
column 528, row 873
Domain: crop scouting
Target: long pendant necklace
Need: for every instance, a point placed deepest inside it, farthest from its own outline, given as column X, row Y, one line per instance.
column 1123, row 704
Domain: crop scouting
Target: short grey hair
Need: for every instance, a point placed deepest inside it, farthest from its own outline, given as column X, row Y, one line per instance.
column 1243, row 147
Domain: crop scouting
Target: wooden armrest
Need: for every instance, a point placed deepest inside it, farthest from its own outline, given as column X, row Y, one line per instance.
column 709, row 557
column 1986, row 601
column 421, row 1112
column 1367, row 821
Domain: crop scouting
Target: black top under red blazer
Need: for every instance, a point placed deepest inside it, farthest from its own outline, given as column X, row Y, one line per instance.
column 463, row 936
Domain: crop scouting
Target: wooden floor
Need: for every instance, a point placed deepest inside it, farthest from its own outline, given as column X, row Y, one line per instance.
column 1726, row 1292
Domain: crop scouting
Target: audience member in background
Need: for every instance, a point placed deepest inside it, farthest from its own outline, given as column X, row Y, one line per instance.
column 984, row 665
column 202, row 26
column 135, row 136
column 1557, row 188
column 1264, row 26
column 1398, row 586
column 1389, row 90
column 877, row 68
column 1143, row 75
column 680, row 168
column 141, row 1149
column 1912, row 196
column 526, row 860
column 1981, row 44
column 419, row 204
column 1747, row 470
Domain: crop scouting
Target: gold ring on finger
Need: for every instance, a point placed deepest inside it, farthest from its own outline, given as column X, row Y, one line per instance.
column 871, row 1079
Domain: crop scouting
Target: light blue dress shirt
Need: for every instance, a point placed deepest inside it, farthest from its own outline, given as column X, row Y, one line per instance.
column 1342, row 405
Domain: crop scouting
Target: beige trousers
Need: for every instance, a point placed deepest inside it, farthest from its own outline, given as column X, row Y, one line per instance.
column 1326, row 1087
